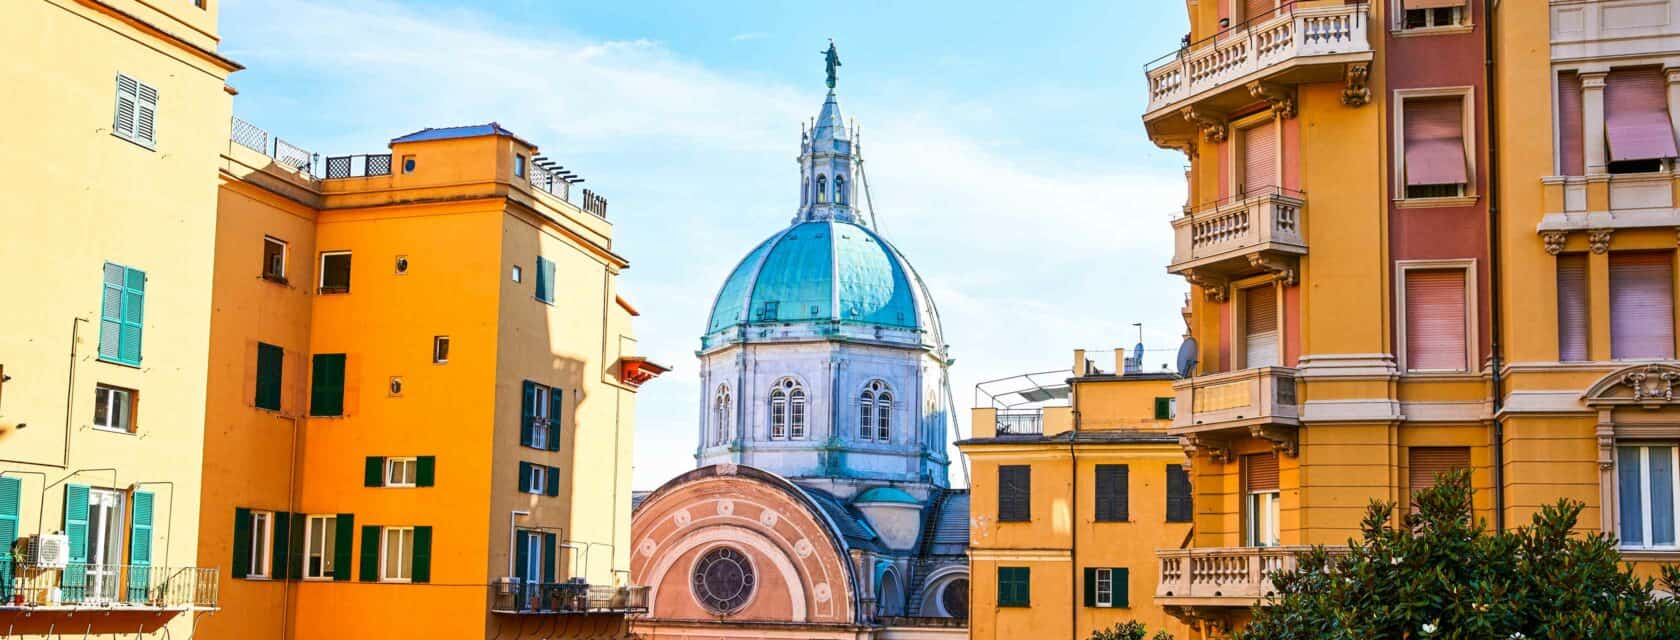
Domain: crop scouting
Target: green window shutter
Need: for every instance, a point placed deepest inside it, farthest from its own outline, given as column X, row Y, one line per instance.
column 140, row 547
column 270, row 362
column 133, row 316
column 548, row 540
column 425, row 471
column 110, row 312
column 1023, row 588
column 1180, row 503
column 556, row 416
column 281, row 546
column 373, row 473
column 326, row 393
column 521, row 556
column 74, row 579
column 422, row 555
column 1014, row 493
column 1120, row 578
column 524, row 477
column 241, row 542
column 11, row 503
column 1014, row 586
column 1090, row 587
column 1163, row 408
column 370, row 553
column 545, row 280
column 525, row 413
column 343, row 539
column 552, row 475
column 294, row 560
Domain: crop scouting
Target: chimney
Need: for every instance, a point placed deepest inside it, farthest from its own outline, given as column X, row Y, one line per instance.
column 1079, row 363
column 1120, row 361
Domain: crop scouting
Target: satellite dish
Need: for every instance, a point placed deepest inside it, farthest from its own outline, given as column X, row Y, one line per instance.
column 1187, row 358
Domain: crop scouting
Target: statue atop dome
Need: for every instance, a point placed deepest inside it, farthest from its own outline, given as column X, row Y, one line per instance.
column 832, row 58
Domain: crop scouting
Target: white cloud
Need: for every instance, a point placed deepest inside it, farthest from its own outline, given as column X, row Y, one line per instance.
column 754, row 35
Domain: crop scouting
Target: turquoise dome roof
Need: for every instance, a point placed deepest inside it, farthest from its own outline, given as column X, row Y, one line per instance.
column 821, row 271
column 887, row 494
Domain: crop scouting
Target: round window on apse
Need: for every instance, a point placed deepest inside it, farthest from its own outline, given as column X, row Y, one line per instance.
column 724, row 580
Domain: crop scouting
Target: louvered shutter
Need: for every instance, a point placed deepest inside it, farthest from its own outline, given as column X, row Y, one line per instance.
column 1260, row 320
column 241, row 542
column 110, row 312
column 1426, row 463
column 548, row 547
column 1434, row 138
column 343, row 541
column 74, row 580
column 1636, row 120
column 556, row 417
column 1180, row 503
column 281, row 546
column 140, row 547
column 1259, row 158
column 145, row 115
column 1571, row 145
column 270, row 365
column 524, row 477
column 133, row 315
column 527, row 412
column 1641, row 305
column 1163, row 408
column 552, row 476
column 370, row 553
column 1435, row 320
column 1120, row 581
column 11, row 503
column 326, row 394
column 1572, row 307
column 1014, row 493
column 422, row 555
column 1112, row 503
column 128, row 99
column 294, row 558
column 1090, row 587
column 373, row 472
column 1260, row 472
column 522, row 556
column 425, row 471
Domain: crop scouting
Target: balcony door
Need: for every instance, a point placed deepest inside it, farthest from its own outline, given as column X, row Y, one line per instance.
column 1261, row 343
column 1260, row 159
column 104, row 559
column 1260, row 486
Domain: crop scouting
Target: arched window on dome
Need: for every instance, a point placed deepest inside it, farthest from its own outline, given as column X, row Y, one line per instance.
column 720, row 415
column 796, row 414
column 787, row 410
column 840, row 189
column 874, row 409
column 822, row 189
column 805, row 193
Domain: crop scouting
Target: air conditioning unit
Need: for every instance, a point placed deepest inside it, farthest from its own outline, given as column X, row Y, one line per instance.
column 50, row 550
column 507, row 586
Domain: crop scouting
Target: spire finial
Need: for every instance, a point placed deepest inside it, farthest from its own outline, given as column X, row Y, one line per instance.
column 832, row 58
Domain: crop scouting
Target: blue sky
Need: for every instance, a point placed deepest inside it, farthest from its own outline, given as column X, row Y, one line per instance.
column 1006, row 157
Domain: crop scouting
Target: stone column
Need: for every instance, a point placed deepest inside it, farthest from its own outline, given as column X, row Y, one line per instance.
column 1592, row 122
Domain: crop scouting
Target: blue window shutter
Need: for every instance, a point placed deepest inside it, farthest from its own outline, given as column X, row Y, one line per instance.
column 545, row 280
column 110, row 311
column 133, row 316
column 140, row 548
column 525, row 413
column 524, row 477
column 548, row 557
column 74, row 580
column 11, row 502
column 556, row 416
column 552, row 475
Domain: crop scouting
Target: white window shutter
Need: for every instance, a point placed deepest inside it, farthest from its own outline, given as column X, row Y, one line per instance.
column 128, row 91
column 145, row 121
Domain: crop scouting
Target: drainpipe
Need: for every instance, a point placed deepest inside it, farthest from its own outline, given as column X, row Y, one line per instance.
column 1073, row 528
column 1496, row 317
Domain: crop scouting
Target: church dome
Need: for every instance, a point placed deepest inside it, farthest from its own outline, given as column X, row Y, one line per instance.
column 826, row 270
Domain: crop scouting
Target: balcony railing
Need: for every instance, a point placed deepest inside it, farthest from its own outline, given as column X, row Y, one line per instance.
column 358, row 166
column 1236, row 576
column 571, row 597
column 284, row 153
column 1020, row 422
column 109, row 586
column 1220, row 236
column 1264, row 395
column 1287, row 35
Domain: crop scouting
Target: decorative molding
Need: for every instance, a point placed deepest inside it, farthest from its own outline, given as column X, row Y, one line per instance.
column 1284, row 440
column 1354, row 366
column 1281, row 99
column 1356, row 410
column 1358, row 80
column 1214, row 289
column 1212, row 125
column 1283, row 266
column 1649, row 386
column 1217, row 451
column 1554, row 241
column 1598, row 240
column 1183, row 143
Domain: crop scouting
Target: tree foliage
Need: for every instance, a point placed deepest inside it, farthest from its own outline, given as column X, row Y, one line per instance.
column 1132, row 630
column 1441, row 574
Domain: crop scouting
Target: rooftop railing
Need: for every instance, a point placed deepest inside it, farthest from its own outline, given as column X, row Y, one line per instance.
column 358, row 166
column 1020, row 422
column 572, row 597
column 285, row 153
column 109, row 586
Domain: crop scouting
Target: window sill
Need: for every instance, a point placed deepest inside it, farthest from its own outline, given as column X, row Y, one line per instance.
column 395, row 581
column 120, row 432
column 317, row 578
column 1432, row 203
column 1414, row 32
column 149, row 146
column 131, row 365
column 1650, row 555
column 277, row 280
column 547, row 302
column 332, row 291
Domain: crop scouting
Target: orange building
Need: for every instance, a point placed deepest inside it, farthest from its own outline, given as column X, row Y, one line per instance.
column 421, row 394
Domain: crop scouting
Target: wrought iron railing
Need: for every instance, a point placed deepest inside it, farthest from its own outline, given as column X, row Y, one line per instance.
column 1016, row 422
column 573, row 596
column 284, row 153
column 81, row 585
column 358, row 166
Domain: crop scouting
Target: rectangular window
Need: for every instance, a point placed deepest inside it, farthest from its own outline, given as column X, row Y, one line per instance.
column 321, row 543
column 536, row 432
column 1106, row 587
column 545, row 280
column 1636, row 121
column 270, row 365
column 1435, row 163
column 1014, row 586
column 122, row 311
column 1260, row 483
column 1260, row 327
column 1260, row 147
column 262, row 539
column 518, row 274
column 1180, row 502
column 536, row 479
column 1112, row 502
column 1166, row 408
column 1436, row 322
column 1014, row 493
column 440, row 349
column 1645, row 491
column 326, row 395
column 113, row 408
column 1572, row 307
column 518, row 165
column 396, row 554
column 1425, row 14
column 274, row 259
column 1571, row 142
column 1426, row 464
column 1641, row 305
column 136, row 112
column 335, row 272
column 401, row 472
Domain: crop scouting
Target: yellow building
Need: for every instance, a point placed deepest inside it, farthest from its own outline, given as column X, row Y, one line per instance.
column 110, row 217
column 422, row 394
column 1075, row 485
column 1400, row 267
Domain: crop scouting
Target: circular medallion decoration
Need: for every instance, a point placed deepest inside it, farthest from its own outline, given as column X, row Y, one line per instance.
column 726, row 507
column 803, row 548
column 648, row 546
column 822, row 592
column 767, row 518
column 723, row 580
column 683, row 519
column 954, row 598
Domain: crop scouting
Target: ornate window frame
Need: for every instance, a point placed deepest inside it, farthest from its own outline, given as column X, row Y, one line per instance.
column 1634, row 405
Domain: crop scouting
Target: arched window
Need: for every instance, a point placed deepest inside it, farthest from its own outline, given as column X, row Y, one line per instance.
column 866, row 415
column 840, row 189
column 874, row 407
column 720, row 413
column 883, row 408
column 822, row 189
column 805, row 193
column 787, row 410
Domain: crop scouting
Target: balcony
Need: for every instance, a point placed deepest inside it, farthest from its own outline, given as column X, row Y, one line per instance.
column 1298, row 43
column 1259, row 402
column 1228, row 576
column 110, row 587
column 571, row 597
column 1241, row 236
